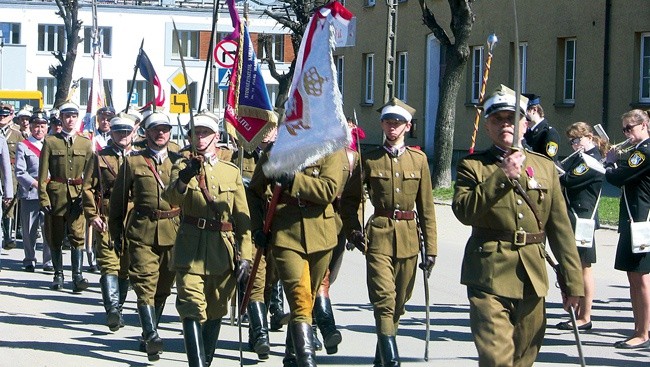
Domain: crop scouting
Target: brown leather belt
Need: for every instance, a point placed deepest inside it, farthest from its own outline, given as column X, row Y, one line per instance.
column 517, row 237
column 209, row 224
column 395, row 214
column 156, row 213
column 290, row 200
column 69, row 181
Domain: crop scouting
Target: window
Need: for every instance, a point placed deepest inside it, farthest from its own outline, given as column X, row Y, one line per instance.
column 569, row 70
column 51, row 37
column 340, row 70
column 143, row 90
column 368, row 87
column 84, row 90
column 189, row 44
column 523, row 65
column 10, row 33
column 47, row 86
column 402, row 67
column 277, row 46
column 644, row 75
column 104, row 40
column 477, row 73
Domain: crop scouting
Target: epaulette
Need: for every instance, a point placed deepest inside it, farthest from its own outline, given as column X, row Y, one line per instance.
column 416, row 149
column 230, row 164
column 528, row 151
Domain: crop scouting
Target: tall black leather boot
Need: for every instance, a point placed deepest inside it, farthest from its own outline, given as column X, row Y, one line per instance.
column 258, row 332
column 388, row 351
column 110, row 295
column 324, row 317
column 276, row 306
column 79, row 282
column 210, row 333
column 57, row 263
column 123, row 285
column 301, row 332
column 289, row 359
column 314, row 337
column 152, row 341
column 377, row 361
column 193, row 337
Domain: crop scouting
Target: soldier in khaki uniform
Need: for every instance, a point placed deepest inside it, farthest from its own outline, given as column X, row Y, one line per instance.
column 13, row 136
column 99, row 180
column 213, row 247
column 150, row 230
column 399, row 184
column 61, row 166
column 302, row 237
column 504, row 267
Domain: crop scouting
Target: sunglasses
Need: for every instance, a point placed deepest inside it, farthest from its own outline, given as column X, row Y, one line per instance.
column 629, row 128
column 575, row 141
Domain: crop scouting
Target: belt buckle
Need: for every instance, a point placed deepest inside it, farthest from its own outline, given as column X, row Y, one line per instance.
column 520, row 238
column 300, row 203
column 201, row 223
column 397, row 214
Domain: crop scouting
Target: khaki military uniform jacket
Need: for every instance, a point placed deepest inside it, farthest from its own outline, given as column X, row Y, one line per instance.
column 108, row 161
column 400, row 183
column 204, row 251
column 136, row 181
column 485, row 198
column 60, row 161
column 309, row 225
column 13, row 135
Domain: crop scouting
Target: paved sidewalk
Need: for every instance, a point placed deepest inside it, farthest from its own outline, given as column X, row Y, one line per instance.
column 41, row 327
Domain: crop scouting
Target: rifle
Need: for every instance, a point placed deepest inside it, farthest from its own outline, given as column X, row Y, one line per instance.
column 426, row 273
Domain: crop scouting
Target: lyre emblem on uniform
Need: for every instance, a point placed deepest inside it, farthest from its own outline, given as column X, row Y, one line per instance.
column 636, row 159
column 581, row 169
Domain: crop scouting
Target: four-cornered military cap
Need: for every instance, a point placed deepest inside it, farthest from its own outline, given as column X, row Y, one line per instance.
column 395, row 109
column 107, row 110
column 69, row 108
column 533, row 99
column 503, row 99
column 38, row 117
column 122, row 122
column 206, row 119
column 156, row 118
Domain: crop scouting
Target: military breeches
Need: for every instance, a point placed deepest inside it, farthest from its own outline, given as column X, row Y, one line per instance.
column 204, row 297
column 150, row 272
column 507, row 332
column 257, row 293
column 107, row 259
column 301, row 275
column 271, row 276
column 57, row 225
column 390, row 285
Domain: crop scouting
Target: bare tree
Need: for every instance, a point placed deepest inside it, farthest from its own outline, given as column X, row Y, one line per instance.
column 68, row 11
column 457, row 54
column 293, row 15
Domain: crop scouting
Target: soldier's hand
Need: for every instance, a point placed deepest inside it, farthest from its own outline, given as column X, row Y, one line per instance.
column 117, row 247
column 570, row 301
column 243, row 270
column 5, row 203
column 286, row 180
column 358, row 240
column 427, row 264
column 99, row 225
column 260, row 239
column 192, row 169
column 47, row 209
column 513, row 163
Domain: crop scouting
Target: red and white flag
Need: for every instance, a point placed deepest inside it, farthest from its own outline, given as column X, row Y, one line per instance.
column 315, row 124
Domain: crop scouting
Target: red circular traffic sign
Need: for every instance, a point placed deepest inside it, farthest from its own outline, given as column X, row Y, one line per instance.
column 225, row 53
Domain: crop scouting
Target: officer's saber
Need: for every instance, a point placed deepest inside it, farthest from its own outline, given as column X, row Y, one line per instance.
column 516, row 140
column 576, row 333
column 193, row 140
column 425, row 275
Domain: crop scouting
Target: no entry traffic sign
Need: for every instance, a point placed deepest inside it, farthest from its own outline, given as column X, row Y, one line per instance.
column 225, row 52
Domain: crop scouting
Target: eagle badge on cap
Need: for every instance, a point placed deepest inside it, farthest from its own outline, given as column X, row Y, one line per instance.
column 551, row 149
column 636, row 159
column 580, row 170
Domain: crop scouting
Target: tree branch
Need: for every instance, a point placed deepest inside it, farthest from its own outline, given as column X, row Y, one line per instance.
column 430, row 21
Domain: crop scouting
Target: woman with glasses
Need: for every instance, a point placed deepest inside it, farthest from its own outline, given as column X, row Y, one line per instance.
column 633, row 177
column 582, row 181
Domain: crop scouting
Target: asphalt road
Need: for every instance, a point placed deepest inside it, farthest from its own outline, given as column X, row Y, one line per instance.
column 41, row 327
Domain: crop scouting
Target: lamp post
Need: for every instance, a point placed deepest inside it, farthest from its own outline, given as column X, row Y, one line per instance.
column 2, row 46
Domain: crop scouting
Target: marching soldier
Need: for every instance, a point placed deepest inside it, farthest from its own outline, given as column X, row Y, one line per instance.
column 213, row 247
column 513, row 201
column 99, row 180
column 540, row 136
column 13, row 136
column 28, row 153
column 399, row 185
column 150, row 230
column 302, row 241
column 60, row 171
column 102, row 133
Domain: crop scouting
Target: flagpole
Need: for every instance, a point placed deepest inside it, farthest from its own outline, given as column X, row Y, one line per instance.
column 209, row 62
column 135, row 73
column 180, row 53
